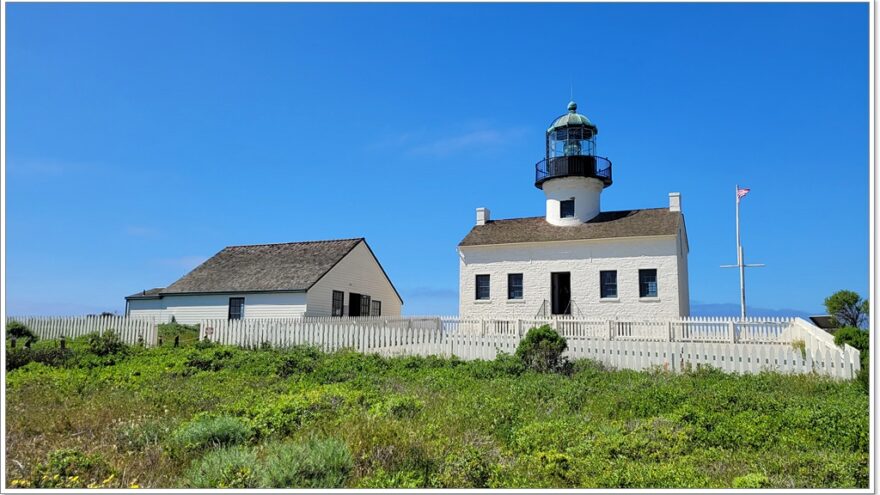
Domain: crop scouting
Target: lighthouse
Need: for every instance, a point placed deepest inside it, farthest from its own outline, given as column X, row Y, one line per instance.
column 576, row 259
column 571, row 174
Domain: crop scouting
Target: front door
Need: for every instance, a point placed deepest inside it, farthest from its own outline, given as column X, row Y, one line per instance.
column 354, row 304
column 560, row 288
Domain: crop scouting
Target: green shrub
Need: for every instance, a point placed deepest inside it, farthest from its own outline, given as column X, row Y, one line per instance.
column 70, row 468
column 855, row 337
column 541, row 350
column 210, row 359
column 135, row 435
column 105, row 343
column 751, row 480
column 861, row 340
column 314, row 464
column 50, row 356
column 210, row 431
column 398, row 407
column 18, row 330
column 299, row 360
column 231, row 467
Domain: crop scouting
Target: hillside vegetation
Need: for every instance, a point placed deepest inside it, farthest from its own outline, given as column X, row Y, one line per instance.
column 102, row 415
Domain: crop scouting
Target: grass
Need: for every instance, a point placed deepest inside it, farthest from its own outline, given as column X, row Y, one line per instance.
column 207, row 415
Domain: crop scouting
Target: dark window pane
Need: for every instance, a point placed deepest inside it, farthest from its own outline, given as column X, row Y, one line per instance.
column 608, row 283
column 365, row 305
column 482, row 287
column 514, row 286
column 236, row 308
column 338, row 303
column 648, row 283
column 376, row 310
column 566, row 208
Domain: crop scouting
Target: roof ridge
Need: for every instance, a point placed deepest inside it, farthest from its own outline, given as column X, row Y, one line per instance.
column 601, row 212
column 296, row 242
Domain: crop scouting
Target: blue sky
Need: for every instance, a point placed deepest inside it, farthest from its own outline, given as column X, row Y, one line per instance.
column 143, row 138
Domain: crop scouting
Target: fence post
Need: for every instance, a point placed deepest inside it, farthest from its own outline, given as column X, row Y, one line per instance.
column 671, row 331
column 610, row 329
column 732, row 328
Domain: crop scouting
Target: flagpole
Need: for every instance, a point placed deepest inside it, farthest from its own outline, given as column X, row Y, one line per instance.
column 740, row 262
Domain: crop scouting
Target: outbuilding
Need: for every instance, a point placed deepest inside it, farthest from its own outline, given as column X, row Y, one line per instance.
column 315, row 278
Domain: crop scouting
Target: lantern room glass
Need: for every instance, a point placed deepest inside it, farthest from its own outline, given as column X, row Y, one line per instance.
column 571, row 141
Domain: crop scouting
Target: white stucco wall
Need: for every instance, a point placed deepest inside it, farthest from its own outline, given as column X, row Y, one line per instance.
column 586, row 192
column 191, row 309
column 358, row 272
column 584, row 260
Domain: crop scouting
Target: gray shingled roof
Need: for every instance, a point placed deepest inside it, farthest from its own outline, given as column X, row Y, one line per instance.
column 146, row 294
column 606, row 225
column 291, row 266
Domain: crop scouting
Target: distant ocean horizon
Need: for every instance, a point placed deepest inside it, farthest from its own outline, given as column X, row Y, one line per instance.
column 730, row 309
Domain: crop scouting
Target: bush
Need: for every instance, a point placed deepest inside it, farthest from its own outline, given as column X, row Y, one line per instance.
column 398, row 407
column 134, row 436
column 106, row 343
column 70, row 468
column 751, row 480
column 208, row 431
column 18, row 357
column 299, row 360
column 232, row 467
column 855, row 337
column 209, row 359
column 314, row 464
column 541, row 350
column 861, row 340
column 18, row 330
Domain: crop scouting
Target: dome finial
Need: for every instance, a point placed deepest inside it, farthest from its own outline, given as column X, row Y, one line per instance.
column 572, row 106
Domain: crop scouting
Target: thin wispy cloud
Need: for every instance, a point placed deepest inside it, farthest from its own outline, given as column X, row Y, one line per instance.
column 467, row 141
column 184, row 262
column 475, row 136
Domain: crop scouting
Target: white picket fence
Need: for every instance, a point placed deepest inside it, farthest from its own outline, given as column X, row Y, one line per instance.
column 749, row 346
column 130, row 330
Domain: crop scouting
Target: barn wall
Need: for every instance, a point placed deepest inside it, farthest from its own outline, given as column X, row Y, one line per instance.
column 191, row 309
column 358, row 272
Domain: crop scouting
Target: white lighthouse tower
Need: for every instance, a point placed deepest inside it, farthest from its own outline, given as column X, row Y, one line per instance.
column 571, row 175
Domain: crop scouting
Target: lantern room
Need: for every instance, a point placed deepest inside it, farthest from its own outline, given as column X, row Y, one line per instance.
column 571, row 150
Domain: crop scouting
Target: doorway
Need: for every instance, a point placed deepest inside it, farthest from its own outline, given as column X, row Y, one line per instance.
column 560, row 289
column 354, row 304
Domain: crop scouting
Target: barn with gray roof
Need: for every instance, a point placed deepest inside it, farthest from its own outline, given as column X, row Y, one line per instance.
column 315, row 278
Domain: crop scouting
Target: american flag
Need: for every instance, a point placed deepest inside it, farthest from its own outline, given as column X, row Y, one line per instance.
column 741, row 191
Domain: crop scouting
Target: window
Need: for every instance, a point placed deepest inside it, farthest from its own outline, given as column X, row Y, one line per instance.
column 608, row 283
column 236, row 308
column 514, row 286
column 365, row 306
column 376, row 310
column 566, row 208
column 482, row 287
column 338, row 302
column 648, row 283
